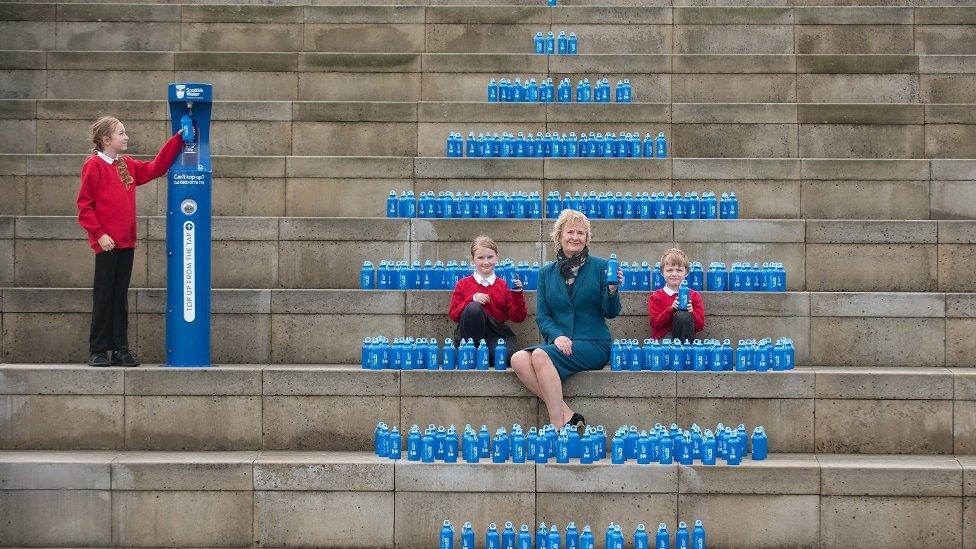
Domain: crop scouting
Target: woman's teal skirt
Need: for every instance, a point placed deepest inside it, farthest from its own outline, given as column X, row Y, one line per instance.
column 588, row 354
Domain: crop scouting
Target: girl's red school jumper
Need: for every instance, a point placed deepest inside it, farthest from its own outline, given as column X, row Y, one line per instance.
column 105, row 206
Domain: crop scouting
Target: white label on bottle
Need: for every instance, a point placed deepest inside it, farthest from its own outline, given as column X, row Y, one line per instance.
column 189, row 273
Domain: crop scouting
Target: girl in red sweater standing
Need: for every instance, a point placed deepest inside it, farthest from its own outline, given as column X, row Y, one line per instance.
column 107, row 211
column 667, row 321
column 482, row 302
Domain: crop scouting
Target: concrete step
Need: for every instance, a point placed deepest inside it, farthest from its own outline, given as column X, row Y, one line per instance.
column 694, row 130
column 288, row 186
column 700, row 77
column 286, row 326
column 332, row 407
column 486, row 28
column 240, row 499
column 307, row 253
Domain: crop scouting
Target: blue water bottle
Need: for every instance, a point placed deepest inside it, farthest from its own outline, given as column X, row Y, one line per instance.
column 508, row 536
column 760, row 444
column 661, row 146
column 550, row 43
column 681, row 538
column 698, row 536
column 562, row 43
column 542, row 536
column 367, row 276
column 467, row 536
column 450, row 355
column 641, row 539
column 572, row 536
column 586, row 538
column 540, row 44
column 663, row 539
column 572, row 44
column 482, row 356
column 683, row 295
column 447, row 536
column 612, row 266
column 524, row 537
column 501, row 355
column 492, row 539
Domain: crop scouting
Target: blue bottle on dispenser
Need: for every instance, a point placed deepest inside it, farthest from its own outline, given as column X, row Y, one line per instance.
column 681, row 537
column 447, row 536
column 467, row 536
column 612, row 266
column 663, row 539
column 760, row 444
column 186, row 126
column 698, row 536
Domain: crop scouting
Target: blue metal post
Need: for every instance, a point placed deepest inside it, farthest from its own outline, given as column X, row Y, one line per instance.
column 188, row 220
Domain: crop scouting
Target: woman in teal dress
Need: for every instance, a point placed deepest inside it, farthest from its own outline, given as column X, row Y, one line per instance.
column 573, row 302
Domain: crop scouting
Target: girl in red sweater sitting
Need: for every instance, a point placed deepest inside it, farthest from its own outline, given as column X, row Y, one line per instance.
column 667, row 320
column 107, row 211
column 482, row 302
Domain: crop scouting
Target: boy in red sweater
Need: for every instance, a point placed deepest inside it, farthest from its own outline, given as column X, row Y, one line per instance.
column 667, row 321
column 482, row 302
column 107, row 211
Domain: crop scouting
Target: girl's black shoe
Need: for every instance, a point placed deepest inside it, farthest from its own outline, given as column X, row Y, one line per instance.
column 577, row 421
column 125, row 358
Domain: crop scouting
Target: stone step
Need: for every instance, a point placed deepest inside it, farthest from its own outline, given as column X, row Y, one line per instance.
column 603, row 29
column 358, row 186
column 270, row 498
column 694, row 130
column 305, row 253
column 323, row 407
column 286, row 326
column 356, row 76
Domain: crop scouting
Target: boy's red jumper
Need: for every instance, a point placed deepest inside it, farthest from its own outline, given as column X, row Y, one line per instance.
column 105, row 206
column 503, row 306
column 662, row 315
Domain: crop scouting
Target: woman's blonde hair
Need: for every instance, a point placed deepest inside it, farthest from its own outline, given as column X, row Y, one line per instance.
column 566, row 217
column 105, row 127
column 483, row 242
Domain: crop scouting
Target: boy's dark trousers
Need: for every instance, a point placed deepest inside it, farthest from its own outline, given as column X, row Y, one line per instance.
column 110, row 307
column 477, row 325
column 684, row 326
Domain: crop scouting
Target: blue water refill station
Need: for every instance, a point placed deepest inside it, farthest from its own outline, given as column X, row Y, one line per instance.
column 188, row 216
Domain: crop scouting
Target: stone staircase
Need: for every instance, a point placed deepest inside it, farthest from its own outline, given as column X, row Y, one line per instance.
column 847, row 132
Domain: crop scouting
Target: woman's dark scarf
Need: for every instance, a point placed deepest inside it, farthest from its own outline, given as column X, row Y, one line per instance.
column 569, row 266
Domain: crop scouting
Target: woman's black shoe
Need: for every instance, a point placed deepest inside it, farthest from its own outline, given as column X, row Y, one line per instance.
column 99, row 360
column 576, row 421
column 125, row 357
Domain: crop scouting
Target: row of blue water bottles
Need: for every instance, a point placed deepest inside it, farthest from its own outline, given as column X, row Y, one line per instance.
column 504, row 90
column 529, row 205
column 556, row 145
column 407, row 353
column 535, row 446
column 770, row 277
column 550, row 44
column 708, row 355
column 480, row 205
column 550, row 538
column 435, row 275
column 665, row 446
column 644, row 205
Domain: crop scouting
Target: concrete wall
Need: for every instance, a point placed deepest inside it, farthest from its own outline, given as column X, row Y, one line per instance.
column 287, row 326
column 811, row 409
column 243, row 499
